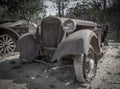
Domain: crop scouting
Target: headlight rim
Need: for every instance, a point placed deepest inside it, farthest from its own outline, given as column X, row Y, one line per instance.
column 34, row 26
column 69, row 31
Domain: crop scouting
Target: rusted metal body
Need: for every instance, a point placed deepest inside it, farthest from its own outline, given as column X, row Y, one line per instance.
column 64, row 37
column 77, row 43
column 17, row 27
column 32, row 43
column 55, row 42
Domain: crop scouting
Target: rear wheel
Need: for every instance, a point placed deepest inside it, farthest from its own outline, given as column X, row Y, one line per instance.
column 85, row 67
column 7, row 44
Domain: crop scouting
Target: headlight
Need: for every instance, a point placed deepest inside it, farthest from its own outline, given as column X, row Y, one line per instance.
column 32, row 27
column 69, row 26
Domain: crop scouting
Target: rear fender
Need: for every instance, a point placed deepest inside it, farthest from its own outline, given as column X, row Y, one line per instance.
column 77, row 43
column 28, row 47
column 6, row 30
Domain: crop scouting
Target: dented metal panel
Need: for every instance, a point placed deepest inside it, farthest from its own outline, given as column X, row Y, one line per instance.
column 56, row 43
column 75, row 44
column 28, row 47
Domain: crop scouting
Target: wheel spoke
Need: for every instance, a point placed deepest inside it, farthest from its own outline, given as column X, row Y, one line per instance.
column 1, row 50
column 3, row 38
column 4, row 50
column 12, row 45
column 12, row 49
column 7, row 38
column 1, row 41
column 1, row 46
column 11, row 42
column 8, row 51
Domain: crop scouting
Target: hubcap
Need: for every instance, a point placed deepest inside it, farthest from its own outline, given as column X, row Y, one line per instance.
column 7, row 44
column 90, row 68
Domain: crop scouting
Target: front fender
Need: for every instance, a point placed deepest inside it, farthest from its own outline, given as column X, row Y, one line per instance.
column 28, row 47
column 75, row 44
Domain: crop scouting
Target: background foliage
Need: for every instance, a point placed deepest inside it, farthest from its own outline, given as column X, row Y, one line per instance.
column 20, row 9
column 100, row 11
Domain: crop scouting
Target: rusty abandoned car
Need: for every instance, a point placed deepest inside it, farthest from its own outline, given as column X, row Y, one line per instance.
column 61, row 38
column 10, row 31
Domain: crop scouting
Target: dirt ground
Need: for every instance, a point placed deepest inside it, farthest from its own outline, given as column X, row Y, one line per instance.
column 41, row 76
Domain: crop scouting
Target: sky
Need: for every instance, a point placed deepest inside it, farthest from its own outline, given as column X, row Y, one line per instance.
column 51, row 10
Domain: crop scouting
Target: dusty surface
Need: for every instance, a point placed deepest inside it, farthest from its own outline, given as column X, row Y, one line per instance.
column 108, row 74
column 41, row 76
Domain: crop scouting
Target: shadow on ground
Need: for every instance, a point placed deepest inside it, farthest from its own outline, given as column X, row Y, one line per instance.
column 38, row 76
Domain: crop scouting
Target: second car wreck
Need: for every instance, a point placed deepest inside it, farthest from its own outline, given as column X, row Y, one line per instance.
column 10, row 31
column 64, row 38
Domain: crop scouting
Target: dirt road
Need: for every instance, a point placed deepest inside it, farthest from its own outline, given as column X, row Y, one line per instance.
column 108, row 74
column 41, row 76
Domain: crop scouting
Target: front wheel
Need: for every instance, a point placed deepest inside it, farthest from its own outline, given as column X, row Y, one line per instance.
column 85, row 67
